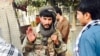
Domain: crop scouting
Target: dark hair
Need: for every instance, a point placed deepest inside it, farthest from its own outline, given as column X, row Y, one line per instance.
column 48, row 13
column 58, row 10
column 90, row 6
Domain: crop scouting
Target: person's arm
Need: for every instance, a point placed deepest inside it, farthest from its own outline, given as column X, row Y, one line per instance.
column 26, row 46
column 60, row 46
column 87, row 45
column 65, row 31
column 29, row 40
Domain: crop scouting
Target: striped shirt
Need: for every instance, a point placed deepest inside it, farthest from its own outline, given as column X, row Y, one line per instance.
column 8, row 49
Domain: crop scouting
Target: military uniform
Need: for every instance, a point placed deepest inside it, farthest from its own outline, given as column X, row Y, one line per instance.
column 42, row 46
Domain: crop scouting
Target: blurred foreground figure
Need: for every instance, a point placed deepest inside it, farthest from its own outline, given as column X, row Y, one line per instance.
column 9, row 24
column 8, row 49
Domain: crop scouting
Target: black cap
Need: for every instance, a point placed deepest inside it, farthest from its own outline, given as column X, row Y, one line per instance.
column 48, row 13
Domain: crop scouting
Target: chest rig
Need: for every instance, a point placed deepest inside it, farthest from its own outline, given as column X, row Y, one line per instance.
column 43, row 46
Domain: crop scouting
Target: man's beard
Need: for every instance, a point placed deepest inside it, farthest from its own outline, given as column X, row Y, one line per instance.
column 47, row 32
column 46, row 28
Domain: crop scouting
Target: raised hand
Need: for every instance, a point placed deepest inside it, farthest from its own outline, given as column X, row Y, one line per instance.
column 30, row 34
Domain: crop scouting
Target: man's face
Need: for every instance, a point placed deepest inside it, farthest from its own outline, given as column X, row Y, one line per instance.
column 82, row 18
column 46, row 22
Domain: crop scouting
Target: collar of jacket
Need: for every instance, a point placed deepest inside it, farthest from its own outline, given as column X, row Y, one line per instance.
column 38, row 28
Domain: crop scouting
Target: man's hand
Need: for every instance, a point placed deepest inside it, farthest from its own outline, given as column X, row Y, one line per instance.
column 55, row 39
column 30, row 34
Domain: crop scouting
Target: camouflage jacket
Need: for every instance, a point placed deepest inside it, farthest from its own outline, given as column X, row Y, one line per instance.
column 38, row 48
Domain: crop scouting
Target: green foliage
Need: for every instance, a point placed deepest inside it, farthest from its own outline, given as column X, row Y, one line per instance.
column 37, row 3
column 20, row 2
